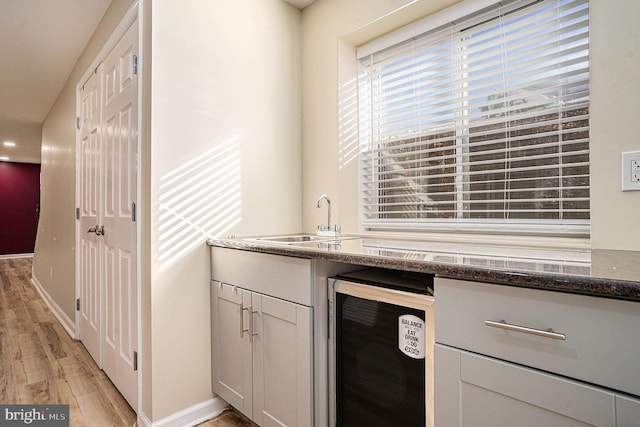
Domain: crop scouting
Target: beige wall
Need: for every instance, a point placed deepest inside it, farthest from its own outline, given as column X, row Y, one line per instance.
column 615, row 108
column 54, row 255
column 331, row 29
column 221, row 155
column 225, row 159
column 325, row 171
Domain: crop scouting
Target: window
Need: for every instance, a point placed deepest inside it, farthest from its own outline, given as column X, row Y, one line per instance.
column 479, row 124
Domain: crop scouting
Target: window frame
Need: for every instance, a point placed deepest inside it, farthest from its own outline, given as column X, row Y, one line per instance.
column 576, row 228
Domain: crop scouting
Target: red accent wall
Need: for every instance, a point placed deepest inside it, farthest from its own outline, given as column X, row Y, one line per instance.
column 19, row 197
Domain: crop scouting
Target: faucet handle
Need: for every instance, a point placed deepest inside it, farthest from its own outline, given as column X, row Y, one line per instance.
column 322, row 227
column 337, row 228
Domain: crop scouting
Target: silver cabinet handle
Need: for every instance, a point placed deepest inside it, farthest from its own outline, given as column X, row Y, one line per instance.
column 549, row 333
column 242, row 328
column 241, row 319
column 252, row 326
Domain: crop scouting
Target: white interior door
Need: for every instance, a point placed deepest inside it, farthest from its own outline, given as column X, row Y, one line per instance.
column 89, row 211
column 120, row 156
column 108, row 158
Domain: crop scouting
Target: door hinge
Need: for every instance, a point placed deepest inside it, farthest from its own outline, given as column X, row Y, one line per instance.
column 135, row 360
column 78, row 304
column 77, row 213
column 135, row 64
column 78, row 123
column 133, row 211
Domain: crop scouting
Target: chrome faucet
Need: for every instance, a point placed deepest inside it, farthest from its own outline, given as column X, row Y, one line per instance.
column 325, row 197
column 327, row 230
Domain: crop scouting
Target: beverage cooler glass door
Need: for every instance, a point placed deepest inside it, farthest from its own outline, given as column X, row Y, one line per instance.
column 383, row 344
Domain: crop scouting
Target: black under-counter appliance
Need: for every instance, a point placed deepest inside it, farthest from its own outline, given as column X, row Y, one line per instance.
column 382, row 348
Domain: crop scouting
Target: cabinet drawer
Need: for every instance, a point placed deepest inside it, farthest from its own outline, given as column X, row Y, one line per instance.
column 475, row 390
column 279, row 276
column 602, row 336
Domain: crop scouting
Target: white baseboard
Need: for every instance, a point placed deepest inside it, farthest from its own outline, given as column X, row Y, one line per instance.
column 10, row 256
column 59, row 314
column 191, row 416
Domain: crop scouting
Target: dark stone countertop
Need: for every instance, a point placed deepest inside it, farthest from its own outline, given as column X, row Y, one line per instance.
column 600, row 273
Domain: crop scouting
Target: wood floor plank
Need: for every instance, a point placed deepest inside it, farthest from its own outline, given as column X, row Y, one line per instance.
column 41, row 364
column 54, row 347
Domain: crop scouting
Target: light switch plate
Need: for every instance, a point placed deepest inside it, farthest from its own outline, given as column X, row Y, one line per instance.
column 631, row 171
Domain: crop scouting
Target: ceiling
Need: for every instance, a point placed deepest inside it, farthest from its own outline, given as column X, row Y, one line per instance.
column 300, row 4
column 40, row 42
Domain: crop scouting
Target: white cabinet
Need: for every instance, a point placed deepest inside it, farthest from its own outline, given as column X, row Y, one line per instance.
column 282, row 392
column 627, row 411
column 232, row 358
column 275, row 371
column 263, row 355
column 474, row 390
column 583, row 374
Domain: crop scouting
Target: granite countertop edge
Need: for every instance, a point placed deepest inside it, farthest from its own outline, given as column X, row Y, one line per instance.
column 576, row 284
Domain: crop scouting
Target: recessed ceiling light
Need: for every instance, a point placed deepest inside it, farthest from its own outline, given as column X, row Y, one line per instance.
column 4, row 159
column 9, row 144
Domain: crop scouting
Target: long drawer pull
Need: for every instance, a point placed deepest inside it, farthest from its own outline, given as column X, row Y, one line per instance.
column 549, row 333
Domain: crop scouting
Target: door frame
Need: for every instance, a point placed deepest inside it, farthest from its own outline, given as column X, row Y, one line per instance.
column 134, row 13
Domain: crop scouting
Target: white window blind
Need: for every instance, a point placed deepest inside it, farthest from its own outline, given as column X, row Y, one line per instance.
column 482, row 123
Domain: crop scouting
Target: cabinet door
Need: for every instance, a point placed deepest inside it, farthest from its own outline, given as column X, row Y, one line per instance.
column 230, row 346
column 282, row 362
column 473, row 390
column 627, row 411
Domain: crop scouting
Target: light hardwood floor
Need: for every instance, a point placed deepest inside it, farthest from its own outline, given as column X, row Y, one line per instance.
column 41, row 364
column 229, row 418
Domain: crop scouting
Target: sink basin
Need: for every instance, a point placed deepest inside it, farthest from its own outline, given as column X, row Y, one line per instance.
column 300, row 238
column 293, row 239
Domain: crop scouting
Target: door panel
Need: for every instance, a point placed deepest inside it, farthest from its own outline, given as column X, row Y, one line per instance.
column 89, row 174
column 120, row 138
column 107, row 192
